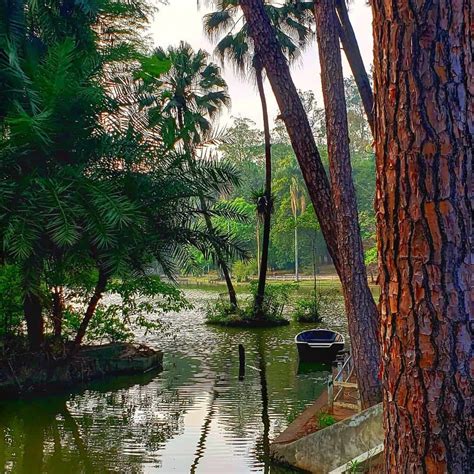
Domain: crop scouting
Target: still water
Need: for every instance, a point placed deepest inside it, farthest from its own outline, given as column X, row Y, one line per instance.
column 195, row 416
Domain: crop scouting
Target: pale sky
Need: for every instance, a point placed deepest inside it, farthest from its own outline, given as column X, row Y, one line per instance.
column 182, row 20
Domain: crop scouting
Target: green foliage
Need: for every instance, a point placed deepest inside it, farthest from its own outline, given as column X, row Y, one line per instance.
column 133, row 304
column 92, row 178
column 277, row 298
column 324, row 420
column 243, row 271
column 11, row 301
column 308, row 310
column 355, row 466
column 370, row 256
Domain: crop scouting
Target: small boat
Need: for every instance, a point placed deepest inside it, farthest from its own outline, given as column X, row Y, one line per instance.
column 319, row 345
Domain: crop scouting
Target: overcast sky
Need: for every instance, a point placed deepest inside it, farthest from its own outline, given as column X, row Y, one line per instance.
column 182, row 20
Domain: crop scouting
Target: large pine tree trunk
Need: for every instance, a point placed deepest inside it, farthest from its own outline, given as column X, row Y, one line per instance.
column 424, row 86
column 352, row 51
column 267, row 211
column 360, row 305
column 299, row 131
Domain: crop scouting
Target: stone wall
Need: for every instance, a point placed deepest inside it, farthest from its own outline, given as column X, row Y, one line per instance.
column 334, row 446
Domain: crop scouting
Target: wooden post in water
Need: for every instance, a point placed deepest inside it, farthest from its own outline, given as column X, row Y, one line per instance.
column 241, row 362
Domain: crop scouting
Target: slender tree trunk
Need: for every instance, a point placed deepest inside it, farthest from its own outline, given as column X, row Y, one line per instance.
column 424, row 151
column 58, row 310
column 91, row 307
column 362, row 317
column 33, row 311
column 357, row 294
column 297, row 276
column 220, row 258
column 258, row 245
column 210, row 228
column 262, row 277
column 352, row 51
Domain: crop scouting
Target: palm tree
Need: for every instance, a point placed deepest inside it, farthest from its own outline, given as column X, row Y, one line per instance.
column 228, row 26
column 192, row 94
column 298, row 207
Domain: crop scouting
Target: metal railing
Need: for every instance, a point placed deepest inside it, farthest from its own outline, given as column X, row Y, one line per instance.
column 341, row 388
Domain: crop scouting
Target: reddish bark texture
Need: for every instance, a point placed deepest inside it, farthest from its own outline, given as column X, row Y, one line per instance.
column 299, row 131
column 360, row 305
column 424, row 91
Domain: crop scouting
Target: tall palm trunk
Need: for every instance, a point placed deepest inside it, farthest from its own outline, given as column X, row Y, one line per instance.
column 267, row 215
column 424, row 154
column 258, row 245
column 352, row 51
column 357, row 294
column 297, row 275
column 210, row 228
column 362, row 318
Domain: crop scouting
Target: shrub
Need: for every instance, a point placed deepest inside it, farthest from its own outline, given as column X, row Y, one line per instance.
column 308, row 310
column 134, row 302
column 242, row 271
column 325, row 419
column 277, row 297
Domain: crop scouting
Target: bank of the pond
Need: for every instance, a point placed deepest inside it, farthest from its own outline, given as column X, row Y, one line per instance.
column 27, row 373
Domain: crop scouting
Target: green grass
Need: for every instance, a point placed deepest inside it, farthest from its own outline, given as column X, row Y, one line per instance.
column 324, row 420
column 207, row 283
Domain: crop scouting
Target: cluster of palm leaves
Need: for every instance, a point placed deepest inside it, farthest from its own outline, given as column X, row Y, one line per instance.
column 92, row 176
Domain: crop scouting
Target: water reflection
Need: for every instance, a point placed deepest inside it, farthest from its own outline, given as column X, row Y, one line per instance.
column 196, row 416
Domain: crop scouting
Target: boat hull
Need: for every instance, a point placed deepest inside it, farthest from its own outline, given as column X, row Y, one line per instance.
column 309, row 353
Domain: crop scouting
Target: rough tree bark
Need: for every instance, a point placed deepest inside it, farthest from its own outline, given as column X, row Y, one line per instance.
column 360, row 305
column 424, row 87
column 299, row 131
column 91, row 307
column 57, row 312
column 33, row 312
column 267, row 204
column 352, row 51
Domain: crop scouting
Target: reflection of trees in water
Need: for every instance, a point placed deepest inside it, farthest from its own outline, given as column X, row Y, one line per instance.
column 206, row 426
column 111, row 430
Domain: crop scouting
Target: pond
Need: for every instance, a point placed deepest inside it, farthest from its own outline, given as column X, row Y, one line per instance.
column 195, row 416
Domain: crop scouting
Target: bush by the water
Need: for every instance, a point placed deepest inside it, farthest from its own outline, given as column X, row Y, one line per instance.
column 308, row 310
column 311, row 308
column 277, row 297
column 242, row 271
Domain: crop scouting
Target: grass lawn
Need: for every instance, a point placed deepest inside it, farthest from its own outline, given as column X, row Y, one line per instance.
column 211, row 283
